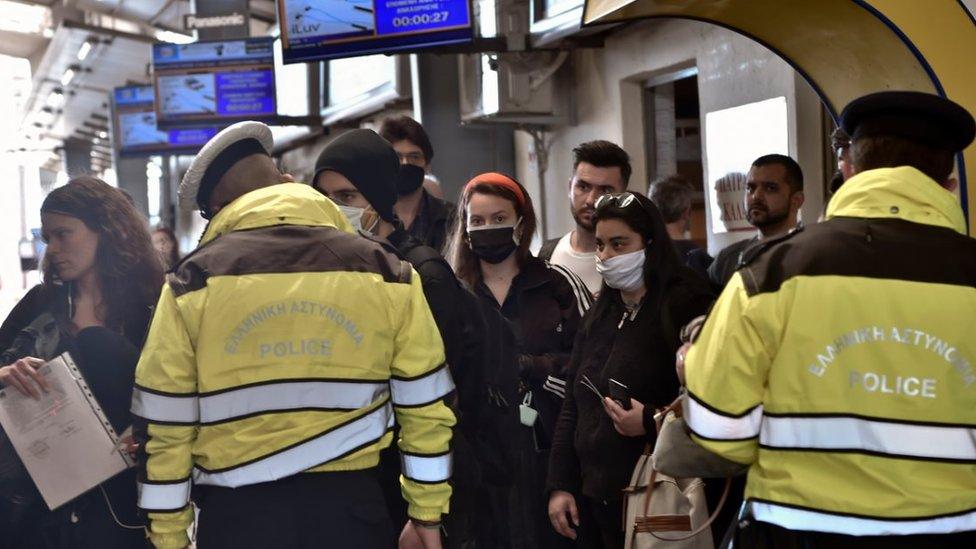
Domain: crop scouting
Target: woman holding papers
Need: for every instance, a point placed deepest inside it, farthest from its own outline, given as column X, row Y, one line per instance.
column 101, row 279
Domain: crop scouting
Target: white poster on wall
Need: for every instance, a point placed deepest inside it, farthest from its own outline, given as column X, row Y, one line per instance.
column 734, row 137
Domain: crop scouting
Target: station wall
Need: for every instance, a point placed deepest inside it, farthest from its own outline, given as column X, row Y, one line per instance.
column 607, row 93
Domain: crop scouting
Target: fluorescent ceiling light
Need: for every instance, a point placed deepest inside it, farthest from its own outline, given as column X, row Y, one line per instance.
column 55, row 100
column 44, row 117
column 23, row 18
column 84, row 50
column 103, row 134
column 67, row 76
column 173, row 37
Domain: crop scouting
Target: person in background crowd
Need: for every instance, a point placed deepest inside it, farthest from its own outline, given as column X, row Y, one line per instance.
column 629, row 336
column 599, row 167
column 284, row 344
column 774, row 195
column 101, row 280
column 426, row 217
column 838, row 362
column 164, row 240
column 354, row 171
column 543, row 305
column 672, row 196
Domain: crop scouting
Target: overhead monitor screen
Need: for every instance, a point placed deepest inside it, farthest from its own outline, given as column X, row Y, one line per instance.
column 324, row 29
column 135, row 130
column 213, row 83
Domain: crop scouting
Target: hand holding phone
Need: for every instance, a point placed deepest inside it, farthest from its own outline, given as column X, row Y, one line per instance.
column 620, row 393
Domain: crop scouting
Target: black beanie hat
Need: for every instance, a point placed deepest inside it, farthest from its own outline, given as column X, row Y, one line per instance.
column 369, row 162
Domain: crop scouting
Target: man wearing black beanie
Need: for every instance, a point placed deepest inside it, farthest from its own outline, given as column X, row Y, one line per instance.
column 359, row 171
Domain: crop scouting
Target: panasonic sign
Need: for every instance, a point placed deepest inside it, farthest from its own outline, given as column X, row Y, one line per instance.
column 192, row 22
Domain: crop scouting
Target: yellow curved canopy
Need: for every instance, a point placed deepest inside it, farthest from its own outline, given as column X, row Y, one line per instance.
column 844, row 48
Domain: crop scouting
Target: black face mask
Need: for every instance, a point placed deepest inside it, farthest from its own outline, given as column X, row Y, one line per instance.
column 492, row 245
column 409, row 179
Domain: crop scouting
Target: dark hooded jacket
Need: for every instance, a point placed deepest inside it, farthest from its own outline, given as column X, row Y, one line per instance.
column 107, row 359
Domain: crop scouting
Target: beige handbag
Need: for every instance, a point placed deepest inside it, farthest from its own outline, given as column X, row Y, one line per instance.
column 661, row 511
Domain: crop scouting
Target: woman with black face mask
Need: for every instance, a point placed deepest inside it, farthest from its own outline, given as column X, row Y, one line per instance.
column 623, row 368
column 541, row 305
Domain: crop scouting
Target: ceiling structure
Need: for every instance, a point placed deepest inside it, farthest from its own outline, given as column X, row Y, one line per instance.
column 79, row 51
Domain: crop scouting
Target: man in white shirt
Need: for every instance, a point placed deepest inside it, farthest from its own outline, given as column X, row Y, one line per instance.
column 599, row 167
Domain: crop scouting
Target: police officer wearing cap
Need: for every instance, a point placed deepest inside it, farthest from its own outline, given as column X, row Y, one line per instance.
column 839, row 364
column 280, row 353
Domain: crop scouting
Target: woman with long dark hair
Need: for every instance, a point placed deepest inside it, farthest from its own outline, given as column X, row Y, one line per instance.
column 101, row 280
column 628, row 338
column 541, row 306
column 164, row 240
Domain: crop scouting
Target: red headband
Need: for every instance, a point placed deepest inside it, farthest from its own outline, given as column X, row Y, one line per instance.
column 498, row 180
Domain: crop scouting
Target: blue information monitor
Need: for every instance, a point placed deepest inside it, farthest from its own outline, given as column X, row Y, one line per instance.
column 328, row 29
column 214, row 83
column 136, row 132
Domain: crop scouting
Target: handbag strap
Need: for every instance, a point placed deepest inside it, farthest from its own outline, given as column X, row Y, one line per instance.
column 658, row 423
column 700, row 529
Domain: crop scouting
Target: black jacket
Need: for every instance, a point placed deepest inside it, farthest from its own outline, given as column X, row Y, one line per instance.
column 727, row 262
column 543, row 309
column 588, row 455
column 693, row 256
column 460, row 330
column 462, row 327
column 433, row 221
column 108, row 360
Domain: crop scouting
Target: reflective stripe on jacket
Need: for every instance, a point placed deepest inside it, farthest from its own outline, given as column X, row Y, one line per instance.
column 286, row 344
column 839, row 362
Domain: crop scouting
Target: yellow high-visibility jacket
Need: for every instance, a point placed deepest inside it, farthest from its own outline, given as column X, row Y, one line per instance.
column 284, row 344
column 839, row 363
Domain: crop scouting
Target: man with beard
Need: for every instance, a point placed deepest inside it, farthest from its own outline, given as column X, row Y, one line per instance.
column 599, row 167
column 774, row 194
column 426, row 217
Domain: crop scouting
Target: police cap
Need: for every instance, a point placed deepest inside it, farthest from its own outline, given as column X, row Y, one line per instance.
column 920, row 117
column 225, row 149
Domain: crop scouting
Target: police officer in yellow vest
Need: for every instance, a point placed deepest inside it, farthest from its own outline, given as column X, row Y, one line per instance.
column 840, row 362
column 280, row 352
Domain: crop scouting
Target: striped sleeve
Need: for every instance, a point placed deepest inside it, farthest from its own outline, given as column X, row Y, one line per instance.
column 725, row 372
column 420, row 381
column 165, row 412
column 580, row 292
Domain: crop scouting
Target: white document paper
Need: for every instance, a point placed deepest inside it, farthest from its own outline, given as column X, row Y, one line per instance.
column 64, row 439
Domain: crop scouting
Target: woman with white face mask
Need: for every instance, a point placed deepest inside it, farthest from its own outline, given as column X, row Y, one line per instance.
column 538, row 307
column 624, row 348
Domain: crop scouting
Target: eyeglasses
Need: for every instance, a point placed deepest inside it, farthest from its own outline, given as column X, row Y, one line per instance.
column 621, row 200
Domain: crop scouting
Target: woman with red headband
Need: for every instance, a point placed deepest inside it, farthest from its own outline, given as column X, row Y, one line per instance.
column 542, row 305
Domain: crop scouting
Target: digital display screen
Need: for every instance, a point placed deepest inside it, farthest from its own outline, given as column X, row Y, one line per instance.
column 135, row 130
column 323, row 29
column 214, row 82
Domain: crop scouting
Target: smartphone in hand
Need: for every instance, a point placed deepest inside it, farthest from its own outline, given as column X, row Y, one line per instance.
column 620, row 393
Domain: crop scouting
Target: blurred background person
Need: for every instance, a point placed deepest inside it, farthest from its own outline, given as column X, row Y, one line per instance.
column 101, row 279
column 543, row 305
column 630, row 336
column 672, row 195
column 424, row 214
column 164, row 240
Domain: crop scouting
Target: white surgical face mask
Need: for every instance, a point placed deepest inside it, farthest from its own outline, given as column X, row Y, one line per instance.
column 624, row 272
column 355, row 217
column 353, row 214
